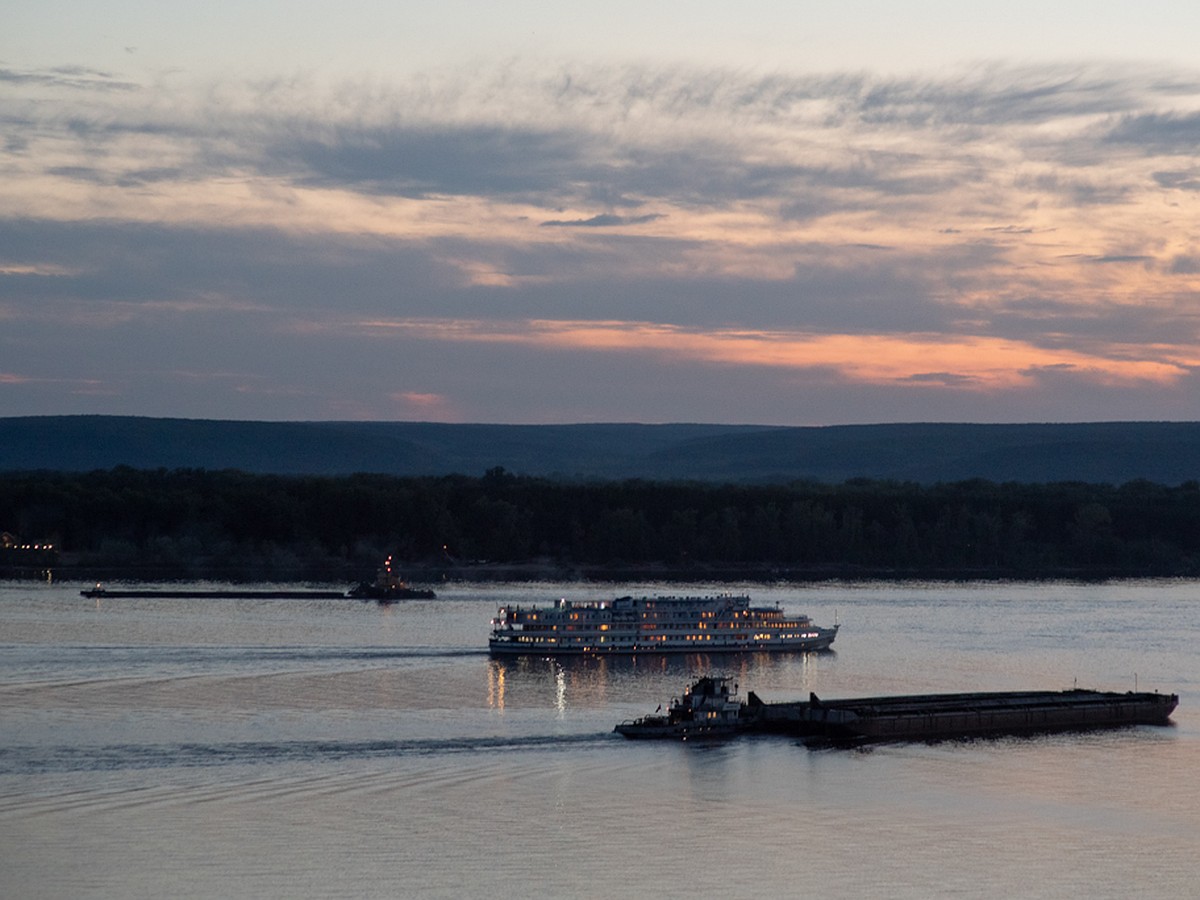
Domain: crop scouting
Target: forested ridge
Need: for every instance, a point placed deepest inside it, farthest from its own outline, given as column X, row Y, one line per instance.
column 199, row 523
column 925, row 453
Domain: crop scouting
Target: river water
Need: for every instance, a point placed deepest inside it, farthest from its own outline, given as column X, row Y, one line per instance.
column 325, row 748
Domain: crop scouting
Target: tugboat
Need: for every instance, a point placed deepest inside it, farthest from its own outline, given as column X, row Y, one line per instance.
column 388, row 587
column 707, row 710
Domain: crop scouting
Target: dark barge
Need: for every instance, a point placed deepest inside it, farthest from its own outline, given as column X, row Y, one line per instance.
column 121, row 594
column 927, row 717
column 937, row 717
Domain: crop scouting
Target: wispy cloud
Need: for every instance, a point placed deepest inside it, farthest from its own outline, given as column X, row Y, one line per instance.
column 602, row 220
column 76, row 78
column 1167, row 133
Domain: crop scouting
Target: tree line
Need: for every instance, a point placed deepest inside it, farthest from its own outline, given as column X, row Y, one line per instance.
column 192, row 522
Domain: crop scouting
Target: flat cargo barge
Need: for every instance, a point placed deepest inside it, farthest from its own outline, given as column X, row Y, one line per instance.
column 932, row 717
column 105, row 593
column 923, row 717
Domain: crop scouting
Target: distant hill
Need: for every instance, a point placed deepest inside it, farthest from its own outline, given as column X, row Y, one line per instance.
column 1108, row 452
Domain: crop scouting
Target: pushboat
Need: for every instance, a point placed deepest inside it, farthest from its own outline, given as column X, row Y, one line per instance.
column 708, row 709
column 387, row 587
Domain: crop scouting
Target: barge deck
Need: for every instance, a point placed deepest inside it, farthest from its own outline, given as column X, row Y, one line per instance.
column 925, row 717
column 121, row 594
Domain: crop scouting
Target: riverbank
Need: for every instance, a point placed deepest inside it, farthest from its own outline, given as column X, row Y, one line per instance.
column 554, row 570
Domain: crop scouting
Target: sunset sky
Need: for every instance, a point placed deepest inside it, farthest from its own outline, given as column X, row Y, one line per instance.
column 530, row 212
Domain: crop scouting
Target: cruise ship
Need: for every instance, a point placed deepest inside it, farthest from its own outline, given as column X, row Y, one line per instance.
column 628, row 625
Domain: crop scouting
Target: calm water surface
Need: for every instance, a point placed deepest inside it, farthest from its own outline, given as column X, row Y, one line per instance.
column 293, row 748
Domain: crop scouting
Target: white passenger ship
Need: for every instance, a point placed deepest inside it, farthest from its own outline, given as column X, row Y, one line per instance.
column 628, row 625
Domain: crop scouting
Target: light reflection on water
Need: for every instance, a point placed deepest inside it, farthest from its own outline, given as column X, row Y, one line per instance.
column 295, row 748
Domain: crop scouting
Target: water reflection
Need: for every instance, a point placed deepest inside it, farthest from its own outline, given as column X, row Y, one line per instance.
column 596, row 682
column 496, row 676
column 560, row 691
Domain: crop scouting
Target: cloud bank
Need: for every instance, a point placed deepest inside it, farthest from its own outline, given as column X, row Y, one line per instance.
column 571, row 243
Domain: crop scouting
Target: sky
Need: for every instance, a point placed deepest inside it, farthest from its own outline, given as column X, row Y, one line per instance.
column 778, row 213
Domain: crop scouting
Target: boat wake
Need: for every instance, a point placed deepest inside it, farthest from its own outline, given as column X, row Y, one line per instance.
column 29, row 760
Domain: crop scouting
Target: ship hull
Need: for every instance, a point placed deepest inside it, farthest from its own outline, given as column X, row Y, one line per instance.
column 389, row 594
column 654, row 732
column 511, row 647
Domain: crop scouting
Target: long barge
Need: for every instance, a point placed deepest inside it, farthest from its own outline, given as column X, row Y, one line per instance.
column 936, row 717
column 105, row 593
column 923, row 717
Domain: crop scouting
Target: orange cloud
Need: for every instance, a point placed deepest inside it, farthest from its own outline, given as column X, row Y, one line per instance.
column 423, row 404
column 966, row 361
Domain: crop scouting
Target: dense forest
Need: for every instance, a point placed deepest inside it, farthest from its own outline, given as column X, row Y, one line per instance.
column 198, row 523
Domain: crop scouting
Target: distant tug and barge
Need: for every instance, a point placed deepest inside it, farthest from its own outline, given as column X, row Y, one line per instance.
column 387, row 587
column 634, row 625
